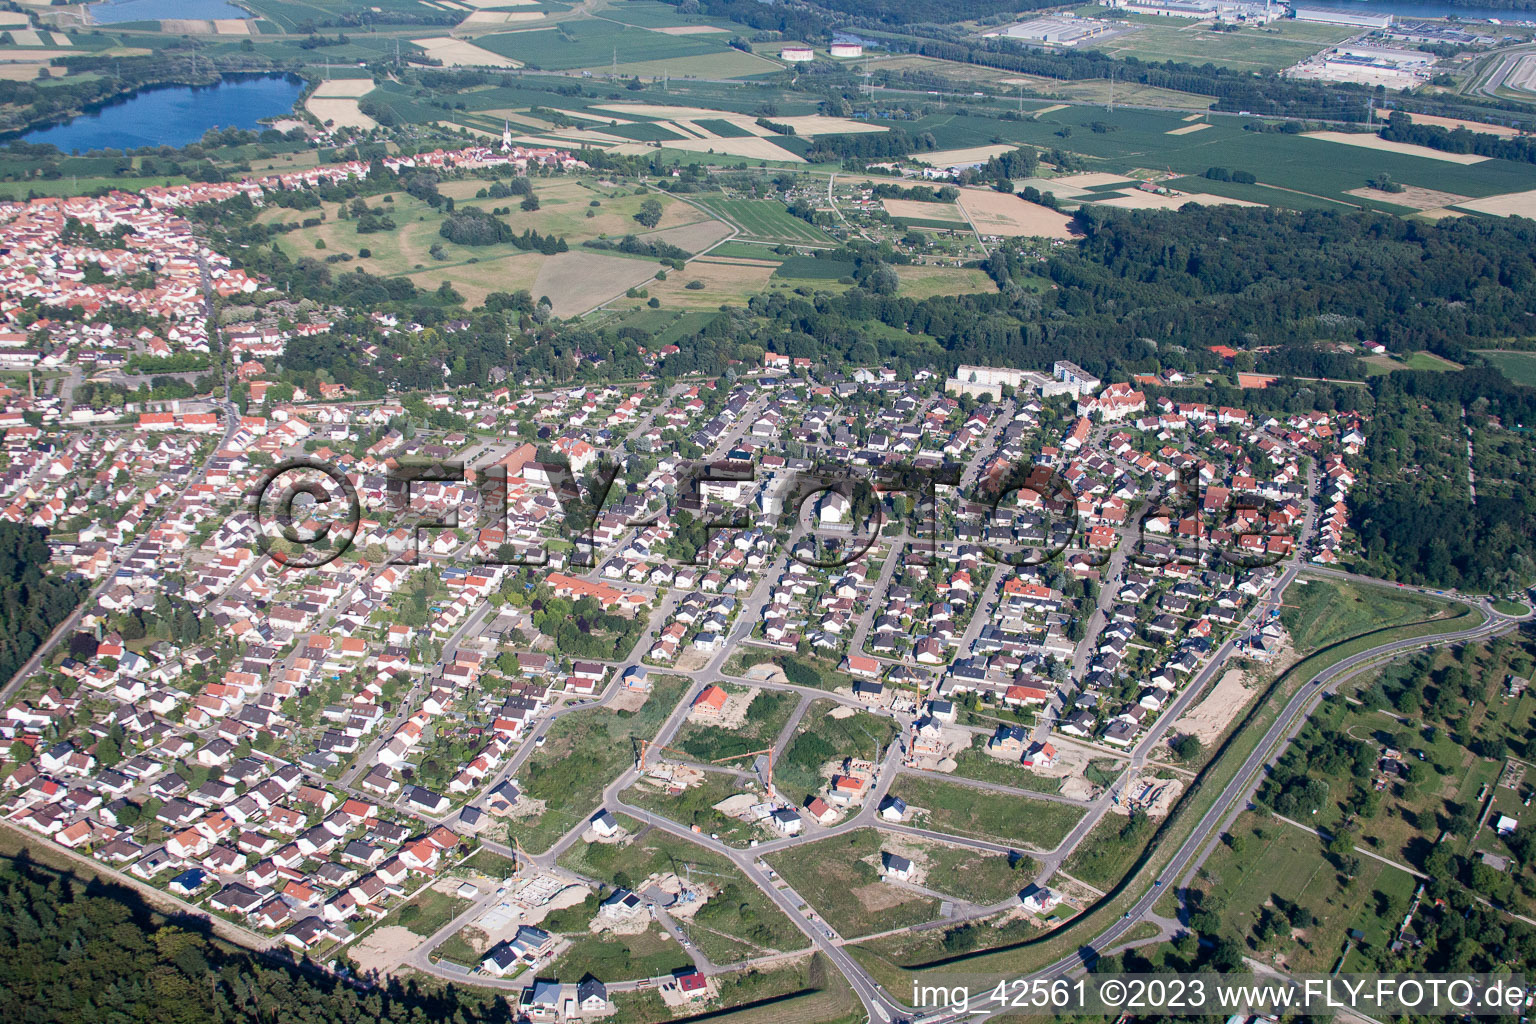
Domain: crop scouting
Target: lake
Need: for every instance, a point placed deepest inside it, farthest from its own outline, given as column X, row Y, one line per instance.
column 114, row 11
column 174, row 115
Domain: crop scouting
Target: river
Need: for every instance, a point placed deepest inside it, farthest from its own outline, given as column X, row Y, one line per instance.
column 174, row 115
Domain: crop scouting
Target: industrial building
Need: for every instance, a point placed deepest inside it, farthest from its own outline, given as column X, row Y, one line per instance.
column 1062, row 30
column 1330, row 16
column 1258, row 12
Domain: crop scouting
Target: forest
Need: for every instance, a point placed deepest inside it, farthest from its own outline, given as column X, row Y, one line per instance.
column 1414, row 511
column 92, row 951
column 31, row 603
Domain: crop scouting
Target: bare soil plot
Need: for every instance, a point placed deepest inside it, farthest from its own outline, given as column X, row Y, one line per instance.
column 578, row 281
column 1209, row 718
column 1412, row 196
column 956, row 157
column 1189, row 129
column 918, row 210
column 1366, row 141
column 460, row 53
column 1510, row 204
column 996, row 213
column 384, row 949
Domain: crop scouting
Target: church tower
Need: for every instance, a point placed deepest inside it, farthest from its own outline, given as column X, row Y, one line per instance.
column 506, row 136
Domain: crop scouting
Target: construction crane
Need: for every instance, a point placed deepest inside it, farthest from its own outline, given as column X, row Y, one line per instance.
column 647, row 745
column 767, row 776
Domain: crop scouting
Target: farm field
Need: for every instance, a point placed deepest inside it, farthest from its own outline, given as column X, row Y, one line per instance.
column 766, row 219
column 1136, row 143
column 1376, row 365
column 840, row 878
column 1519, row 367
column 729, row 63
column 982, row 814
column 724, row 282
column 589, row 44
column 1324, row 611
column 584, row 752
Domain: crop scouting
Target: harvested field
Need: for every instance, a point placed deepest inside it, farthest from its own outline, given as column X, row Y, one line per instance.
column 1452, row 123
column 751, row 147
column 459, row 53
column 1375, row 142
column 918, row 210
column 725, row 282
column 1412, row 196
column 1189, row 129
column 694, row 237
column 664, row 111
column 1139, row 200
column 335, row 102
column 959, row 157
column 1510, row 204
column 352, row 87
column 815, row 124
column 994, row 213
column 1090, row 179
column 577, row 281
column 477, row 280
column 1051, row 109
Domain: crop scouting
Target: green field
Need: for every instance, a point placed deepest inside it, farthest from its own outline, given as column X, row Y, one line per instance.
column 738, row 927
column 822, row 738
column 596, row 44
column 767, row 219
column 766, row 716
column 983, row 814
column 429, row 911
column 840, row 878
column 1258, row 48
column 1519, row 367
column 646, row 955
column 1281, row 861
column 975, row 763
column 1319, row 611
column 583, row 753
column 694, row 806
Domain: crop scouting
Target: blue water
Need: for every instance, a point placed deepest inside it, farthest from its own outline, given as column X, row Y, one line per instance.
column 114, row 11
column 1413, row 10
column 175, row 115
